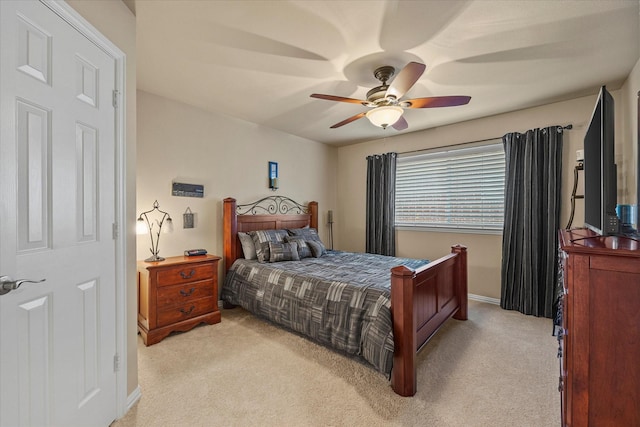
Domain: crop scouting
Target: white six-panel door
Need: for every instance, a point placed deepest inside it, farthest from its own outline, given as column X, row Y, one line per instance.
column 57, row 213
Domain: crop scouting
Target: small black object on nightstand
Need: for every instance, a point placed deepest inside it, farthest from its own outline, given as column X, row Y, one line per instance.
column 195, row 252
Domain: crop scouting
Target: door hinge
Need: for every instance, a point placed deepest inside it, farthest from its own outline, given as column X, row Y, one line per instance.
column 114, row 229
column 115, row 98
column 116, row 362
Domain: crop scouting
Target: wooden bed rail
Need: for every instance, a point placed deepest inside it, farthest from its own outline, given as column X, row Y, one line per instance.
column 421, row 300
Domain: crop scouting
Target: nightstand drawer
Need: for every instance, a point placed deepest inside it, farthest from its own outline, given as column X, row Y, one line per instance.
column 186, row 311
column 184, row 274
column 169, row 296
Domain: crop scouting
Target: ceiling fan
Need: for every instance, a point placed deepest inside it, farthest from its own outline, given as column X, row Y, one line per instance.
column 387, row 108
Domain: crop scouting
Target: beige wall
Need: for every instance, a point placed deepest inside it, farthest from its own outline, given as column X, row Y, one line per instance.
column 114, row 20
column 629, row 134
column 177, row 142
column 484, row 250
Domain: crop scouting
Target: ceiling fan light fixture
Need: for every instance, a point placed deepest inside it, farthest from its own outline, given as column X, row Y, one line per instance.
column 384, row 116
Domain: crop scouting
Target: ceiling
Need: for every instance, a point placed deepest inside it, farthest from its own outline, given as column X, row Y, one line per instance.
column 260, row 60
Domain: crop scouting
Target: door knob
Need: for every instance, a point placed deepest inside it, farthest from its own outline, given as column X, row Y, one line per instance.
column 7, row 284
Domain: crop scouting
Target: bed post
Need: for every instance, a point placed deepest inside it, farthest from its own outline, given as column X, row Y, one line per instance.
column 230, row 231
column 403, row 376
column 313, row 211
column 461, row 280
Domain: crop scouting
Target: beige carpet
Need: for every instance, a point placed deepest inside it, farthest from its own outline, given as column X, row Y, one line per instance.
column 498, row 368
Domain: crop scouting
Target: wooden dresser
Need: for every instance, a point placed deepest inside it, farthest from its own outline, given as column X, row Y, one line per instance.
column 176, row 294
column 600, row 345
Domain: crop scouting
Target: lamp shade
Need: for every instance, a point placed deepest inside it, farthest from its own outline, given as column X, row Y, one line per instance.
column 141, row 226
column 385, row 115
column 168, row 225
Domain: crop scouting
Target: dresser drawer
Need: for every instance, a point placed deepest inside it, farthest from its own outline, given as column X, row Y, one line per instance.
column 186, row 311
column 169, row 296
column 184, row 274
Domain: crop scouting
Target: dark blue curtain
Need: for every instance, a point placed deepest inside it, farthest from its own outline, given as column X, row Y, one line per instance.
column 533, row 178
column 381, row 200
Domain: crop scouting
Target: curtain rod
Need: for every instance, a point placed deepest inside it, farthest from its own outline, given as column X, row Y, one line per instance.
column 567, row 127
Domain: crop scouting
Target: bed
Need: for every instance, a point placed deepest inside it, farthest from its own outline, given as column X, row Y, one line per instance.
column 399, row 305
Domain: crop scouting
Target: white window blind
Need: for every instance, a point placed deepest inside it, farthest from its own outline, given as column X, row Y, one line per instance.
column 460, row 188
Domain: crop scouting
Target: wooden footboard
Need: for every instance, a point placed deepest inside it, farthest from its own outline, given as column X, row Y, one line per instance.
column 421, row 301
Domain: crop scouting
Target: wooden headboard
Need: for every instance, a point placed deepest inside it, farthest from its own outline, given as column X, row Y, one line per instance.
column 270, row 213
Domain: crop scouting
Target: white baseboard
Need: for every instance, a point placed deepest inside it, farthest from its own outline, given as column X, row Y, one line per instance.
column 482, row 298
column 133, row 398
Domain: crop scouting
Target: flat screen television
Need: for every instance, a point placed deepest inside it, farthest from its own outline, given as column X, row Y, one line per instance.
column 600, row 174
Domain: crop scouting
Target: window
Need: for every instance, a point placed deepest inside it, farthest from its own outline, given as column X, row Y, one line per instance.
column 461, row 188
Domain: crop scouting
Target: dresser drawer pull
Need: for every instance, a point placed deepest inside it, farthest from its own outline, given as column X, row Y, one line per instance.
column 187, row 293
column 187, row 312
column 187, row 276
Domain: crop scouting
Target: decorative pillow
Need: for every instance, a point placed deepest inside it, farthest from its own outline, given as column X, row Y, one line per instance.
column 283, row 252
column 248, row 248
column 317, row 248
column 261, row 239
column 307, row 233
column 310, row 235
column 304, row 251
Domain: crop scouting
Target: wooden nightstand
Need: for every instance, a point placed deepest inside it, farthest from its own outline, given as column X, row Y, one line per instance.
column 176, row 294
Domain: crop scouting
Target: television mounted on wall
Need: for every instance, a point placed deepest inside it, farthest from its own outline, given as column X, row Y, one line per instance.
column 600, row 172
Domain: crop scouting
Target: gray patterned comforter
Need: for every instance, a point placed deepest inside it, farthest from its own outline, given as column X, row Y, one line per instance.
column 341, row 299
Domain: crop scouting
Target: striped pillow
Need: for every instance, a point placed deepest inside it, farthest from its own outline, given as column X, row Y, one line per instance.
column 307, row 232
column 310, row 235
column 261, row 239
column 303, row 249
column 283, row 252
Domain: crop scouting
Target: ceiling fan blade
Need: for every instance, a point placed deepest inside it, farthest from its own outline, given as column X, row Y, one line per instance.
column 401, row 124
column 349, row 120
column 406, row 78
column 338, row 98
column 436, row 101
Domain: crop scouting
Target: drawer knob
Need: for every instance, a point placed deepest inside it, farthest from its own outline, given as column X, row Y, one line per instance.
column 188, row 275
column 187, row 293
column 187, row 312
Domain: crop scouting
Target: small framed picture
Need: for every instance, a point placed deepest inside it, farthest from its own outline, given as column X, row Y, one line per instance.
column 273, row 176
column 273, row 170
